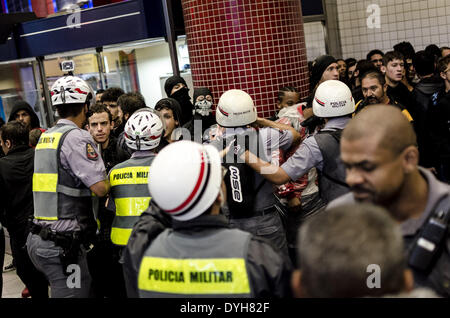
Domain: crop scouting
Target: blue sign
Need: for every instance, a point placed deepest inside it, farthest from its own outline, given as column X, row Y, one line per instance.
column 80, row 29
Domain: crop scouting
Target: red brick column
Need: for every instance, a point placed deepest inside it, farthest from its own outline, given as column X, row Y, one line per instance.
column 256, row 46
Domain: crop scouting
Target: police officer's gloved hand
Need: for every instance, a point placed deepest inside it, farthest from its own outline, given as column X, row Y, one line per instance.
column 312, row 122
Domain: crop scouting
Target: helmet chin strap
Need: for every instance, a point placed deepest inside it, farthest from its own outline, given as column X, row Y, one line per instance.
column 138, row 143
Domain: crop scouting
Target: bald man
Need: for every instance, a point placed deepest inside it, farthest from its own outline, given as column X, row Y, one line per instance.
column 379, row 151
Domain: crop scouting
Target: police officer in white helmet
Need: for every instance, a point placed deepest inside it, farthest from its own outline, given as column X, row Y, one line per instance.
column 250, row 200
column 200, row 256
column 67, row 170
column 333, row 101
column 129, row 194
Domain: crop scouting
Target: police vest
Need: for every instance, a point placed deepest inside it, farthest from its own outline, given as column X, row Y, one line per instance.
column 210, row 265
column 56, row 193
column 129, row 189
column 360, row 105
column 332, row 177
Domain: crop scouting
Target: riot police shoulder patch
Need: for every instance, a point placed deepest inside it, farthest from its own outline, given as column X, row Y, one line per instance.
column 90, row 152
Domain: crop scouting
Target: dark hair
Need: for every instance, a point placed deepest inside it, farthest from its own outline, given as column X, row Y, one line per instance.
column 373, row 52
column 443, row 63
column 434, row 50
column 34, row 136
column 112, row 94
column 406, row 49
column 350, row 60
column 444, row 48
column 16, row 132
column 375, row 74
column 69, row 110
column 423, row 63
column 131, row 102
column 392, row 55
column 337, row 60
column 172, row 104
column 364, row 66
column 99, row 91
column 337, row 247
column 97, row 109
column 284, row 90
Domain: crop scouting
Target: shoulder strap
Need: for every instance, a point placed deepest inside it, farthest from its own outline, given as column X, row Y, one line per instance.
column 427, row 246
column 336, row 134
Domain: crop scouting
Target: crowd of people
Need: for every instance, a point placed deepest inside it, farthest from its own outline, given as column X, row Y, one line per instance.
column 190, row 199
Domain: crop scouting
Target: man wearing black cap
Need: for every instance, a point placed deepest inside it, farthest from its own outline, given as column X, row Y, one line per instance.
column 176, row 88
column 203, row 116
column 324, row 68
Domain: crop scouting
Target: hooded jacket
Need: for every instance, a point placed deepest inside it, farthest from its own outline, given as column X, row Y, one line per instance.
column 425, row 89
column 23, row 105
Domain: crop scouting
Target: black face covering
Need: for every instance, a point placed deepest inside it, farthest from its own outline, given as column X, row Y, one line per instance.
column 182, row 96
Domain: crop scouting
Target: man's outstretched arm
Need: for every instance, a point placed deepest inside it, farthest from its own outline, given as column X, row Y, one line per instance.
column 272, row 173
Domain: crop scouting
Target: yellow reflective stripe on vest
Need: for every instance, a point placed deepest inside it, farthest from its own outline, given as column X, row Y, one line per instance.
column 49, row 141
column 194, row 276
column 120, row 236
column 45, row 182
column 131, row 206
column 129, row 175
column 407, row 115
column 46, row 218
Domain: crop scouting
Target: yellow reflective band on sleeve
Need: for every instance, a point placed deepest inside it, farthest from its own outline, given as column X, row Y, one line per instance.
column 194, row 276
column 131, row 206
column 129, row 175
column 49, row 141
column 120, row 236
column 407, row 115
column 45, row 182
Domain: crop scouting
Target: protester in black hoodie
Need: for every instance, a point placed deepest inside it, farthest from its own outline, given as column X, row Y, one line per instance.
column 23, row 112
column 176, row 87
column 438, row 123
column 429, row 83
column 16, row 201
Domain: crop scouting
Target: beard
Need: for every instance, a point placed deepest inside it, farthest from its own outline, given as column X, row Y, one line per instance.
column 372, row 100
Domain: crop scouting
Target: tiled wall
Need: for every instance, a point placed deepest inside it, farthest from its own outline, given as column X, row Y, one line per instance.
column 421, row 22
column 314, row 39
column 257, row 46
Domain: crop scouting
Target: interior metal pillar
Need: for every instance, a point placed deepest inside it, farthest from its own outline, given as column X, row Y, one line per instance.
column 48, row 109
column 171, row 39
